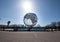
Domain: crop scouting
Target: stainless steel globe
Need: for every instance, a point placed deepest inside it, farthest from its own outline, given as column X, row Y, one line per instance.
column 30, row 19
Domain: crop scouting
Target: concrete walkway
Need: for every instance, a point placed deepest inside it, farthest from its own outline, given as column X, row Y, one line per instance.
column 6, row 36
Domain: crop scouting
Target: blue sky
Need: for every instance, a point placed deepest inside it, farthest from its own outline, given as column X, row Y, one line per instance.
column 47, row 11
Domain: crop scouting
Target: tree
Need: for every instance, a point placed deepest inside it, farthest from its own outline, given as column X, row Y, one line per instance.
column 8, row 23
column 53, row 25
column 58, row 23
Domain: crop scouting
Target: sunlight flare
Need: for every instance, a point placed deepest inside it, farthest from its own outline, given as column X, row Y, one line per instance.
column 27, row 6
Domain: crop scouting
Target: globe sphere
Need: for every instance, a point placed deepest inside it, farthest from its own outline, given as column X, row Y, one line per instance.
column 30, row 19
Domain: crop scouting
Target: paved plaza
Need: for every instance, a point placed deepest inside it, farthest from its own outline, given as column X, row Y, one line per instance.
column 6, row 36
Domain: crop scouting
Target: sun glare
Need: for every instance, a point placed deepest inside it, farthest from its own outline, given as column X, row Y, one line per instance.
column 27, row 6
